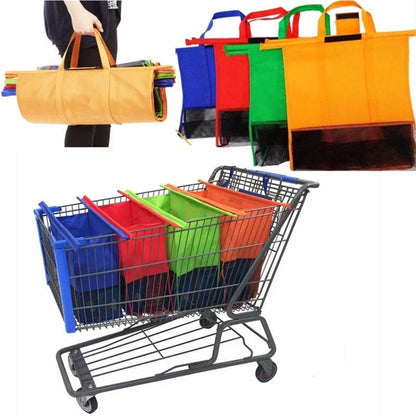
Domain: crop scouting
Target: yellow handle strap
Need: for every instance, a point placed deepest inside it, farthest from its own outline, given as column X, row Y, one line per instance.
column 365, row 16
column 107, row 59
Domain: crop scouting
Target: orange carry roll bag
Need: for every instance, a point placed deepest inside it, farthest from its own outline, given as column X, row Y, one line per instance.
column 106, row 95
column 348, row 97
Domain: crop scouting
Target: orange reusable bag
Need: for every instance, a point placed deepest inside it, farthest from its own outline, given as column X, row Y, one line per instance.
column 107, row 95
column 348, row 98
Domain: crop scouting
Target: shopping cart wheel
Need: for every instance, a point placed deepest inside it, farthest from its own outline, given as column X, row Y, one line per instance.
column 208, row 319
column 72, row 366
column 264, row 376
column 88, row 404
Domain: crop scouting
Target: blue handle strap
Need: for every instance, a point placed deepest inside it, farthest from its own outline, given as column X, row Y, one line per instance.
column 283, row 178
column 221, row 15
column 266, row 175
column 73, row 242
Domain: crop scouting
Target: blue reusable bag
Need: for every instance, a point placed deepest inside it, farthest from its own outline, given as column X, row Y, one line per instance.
column 91, row 266
column 198, row 80
column 96, row 265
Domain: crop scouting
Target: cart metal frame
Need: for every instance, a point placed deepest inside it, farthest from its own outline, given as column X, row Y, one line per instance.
column 180, row 335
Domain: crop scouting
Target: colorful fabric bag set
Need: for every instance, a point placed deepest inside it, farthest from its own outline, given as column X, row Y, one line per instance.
column 330, row 102
column 167, row 250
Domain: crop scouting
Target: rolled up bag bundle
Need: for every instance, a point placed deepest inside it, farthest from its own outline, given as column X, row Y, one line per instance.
column 105, row 95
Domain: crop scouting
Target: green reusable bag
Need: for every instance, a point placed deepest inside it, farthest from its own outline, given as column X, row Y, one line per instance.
column 268, row 114
column 193, row 251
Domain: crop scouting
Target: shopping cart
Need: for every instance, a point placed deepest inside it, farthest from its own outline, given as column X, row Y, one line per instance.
column 174, row 342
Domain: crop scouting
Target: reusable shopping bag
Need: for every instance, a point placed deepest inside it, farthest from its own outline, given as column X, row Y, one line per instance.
column 348, row 98
column 268, row 116
column 143, row 257
column 89, row 278
column 198, row 81
column 194, row 250
column 242, row 237
column 107, row 95
column 232, row 76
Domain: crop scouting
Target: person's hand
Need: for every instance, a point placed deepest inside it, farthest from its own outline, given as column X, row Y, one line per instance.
column 83, row 22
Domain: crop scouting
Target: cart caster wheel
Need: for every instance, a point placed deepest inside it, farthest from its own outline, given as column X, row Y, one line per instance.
column 72, row 366
column 208, row 320
column 264, row 377
column 90, row 405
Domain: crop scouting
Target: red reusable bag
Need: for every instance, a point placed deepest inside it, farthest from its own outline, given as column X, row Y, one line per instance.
column 232, row 76
column 143, row 258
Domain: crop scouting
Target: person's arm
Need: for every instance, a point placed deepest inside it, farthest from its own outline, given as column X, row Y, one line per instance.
column 83, row 22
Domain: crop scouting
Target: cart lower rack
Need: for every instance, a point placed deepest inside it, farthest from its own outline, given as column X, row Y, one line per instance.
column 200, row 311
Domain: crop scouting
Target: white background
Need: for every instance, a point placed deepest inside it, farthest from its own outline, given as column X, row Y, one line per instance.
column 342, row 310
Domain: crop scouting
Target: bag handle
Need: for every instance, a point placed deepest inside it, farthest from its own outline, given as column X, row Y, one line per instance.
column 248, row 196
column 366, row 17
column 285, row 22
column 150, row 205
column 73, row 242
column 169, row 221
column 235, row 211
column 222, row 15
column 191, row 198
column 269, row 14
column 106, row 58
column 119, row 229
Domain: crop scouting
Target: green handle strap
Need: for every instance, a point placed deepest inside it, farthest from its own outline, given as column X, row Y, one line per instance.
column 284, row 23
column 161, row 212
column 190, row 198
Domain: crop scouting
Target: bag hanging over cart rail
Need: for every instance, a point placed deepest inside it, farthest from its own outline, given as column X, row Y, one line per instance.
column 80, row 247
column 348, row 98
column 194, row 250
column 107, row 95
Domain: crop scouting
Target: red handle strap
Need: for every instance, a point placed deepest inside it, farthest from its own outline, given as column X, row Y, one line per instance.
column 270, row 14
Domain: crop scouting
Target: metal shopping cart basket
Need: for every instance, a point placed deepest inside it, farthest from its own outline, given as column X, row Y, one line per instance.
column 226, row 331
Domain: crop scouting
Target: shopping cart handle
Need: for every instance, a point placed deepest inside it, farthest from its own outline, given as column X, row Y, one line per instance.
column 73, row 242
column 284, row 178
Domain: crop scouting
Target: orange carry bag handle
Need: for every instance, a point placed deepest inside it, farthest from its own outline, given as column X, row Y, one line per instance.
column 365, row 17
column 102, row 49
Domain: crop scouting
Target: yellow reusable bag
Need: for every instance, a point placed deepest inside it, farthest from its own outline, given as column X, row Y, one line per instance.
column 348, row 98
column 107, row 95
